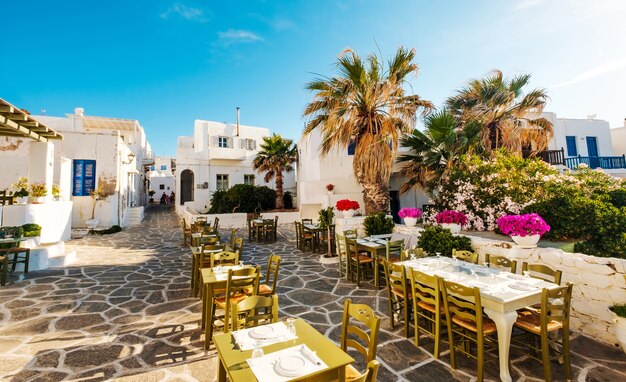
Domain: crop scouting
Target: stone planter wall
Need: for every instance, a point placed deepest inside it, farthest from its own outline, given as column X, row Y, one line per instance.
column 343, row 224
column 598, row 282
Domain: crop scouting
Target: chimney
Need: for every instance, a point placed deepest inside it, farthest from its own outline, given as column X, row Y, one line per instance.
column 237, row 131
column 79, row 111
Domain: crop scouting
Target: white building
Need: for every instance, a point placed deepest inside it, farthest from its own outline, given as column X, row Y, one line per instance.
column 161, row 176
column 94, row 149
column 618, row 135
column 218, row 156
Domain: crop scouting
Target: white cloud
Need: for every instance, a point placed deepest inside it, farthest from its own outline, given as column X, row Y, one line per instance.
column 599, row 70
column 186, row 12
column 525, row 4
column 237, row 36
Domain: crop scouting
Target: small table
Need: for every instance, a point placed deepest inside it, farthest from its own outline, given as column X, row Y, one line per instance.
column 197, row 257
column 197, row 237
column 315, row 231
column 12, row 240
column 232, row 361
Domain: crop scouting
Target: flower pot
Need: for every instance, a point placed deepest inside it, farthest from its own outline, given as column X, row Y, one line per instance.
column 21, row 200
column 39, row 199
column 620, row 330
column 92, row 223
column 348, row 213
column 526, row 241
column 453, row 227
column 410, row 222
column 331, row 192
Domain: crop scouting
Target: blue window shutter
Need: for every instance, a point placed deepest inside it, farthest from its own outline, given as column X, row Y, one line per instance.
column 84, row 177
column 572, row 151
column 163, row 167
column 351, row 147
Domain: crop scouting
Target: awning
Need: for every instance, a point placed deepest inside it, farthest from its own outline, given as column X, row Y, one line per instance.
column 14, row 122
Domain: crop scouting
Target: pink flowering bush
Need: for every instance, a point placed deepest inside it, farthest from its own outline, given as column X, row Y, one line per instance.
column 410, row 213
column 523, row 225
column 451, row 217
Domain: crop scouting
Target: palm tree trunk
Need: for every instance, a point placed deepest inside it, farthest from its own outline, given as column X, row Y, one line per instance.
column 280, row 204
column 376, row 197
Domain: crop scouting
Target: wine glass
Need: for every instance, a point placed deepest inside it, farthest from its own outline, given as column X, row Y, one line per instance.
column 257, row 350
column 527, row 274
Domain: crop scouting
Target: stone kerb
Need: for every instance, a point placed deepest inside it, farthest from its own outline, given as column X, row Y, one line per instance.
column 598, row 281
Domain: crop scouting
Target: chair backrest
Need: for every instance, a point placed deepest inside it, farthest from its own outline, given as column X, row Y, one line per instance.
column 351, row 246
column 340, row 242
column 353, row 336
column 271, row 275
column 544, row 272
column 12, row 231
column 238, row 246
column 469, row 256
column 501, row 262
column 394, row 249
column 463, row 302
column 216, row 223
column 233, row 236
column 307, row 221
column 555, row 306
column 183, row 224
column 416, row 252
column 395, row 276
column 224, row 258
column 370, row 373
column 425, row 287
column 248, row 312
column 240, row 281
column 351, row 233
column 208, row 239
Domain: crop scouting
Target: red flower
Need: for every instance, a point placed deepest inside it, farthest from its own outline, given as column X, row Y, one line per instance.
column 346, row 204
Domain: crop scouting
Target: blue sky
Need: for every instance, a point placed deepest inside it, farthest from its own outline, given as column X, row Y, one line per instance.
column 167, row 63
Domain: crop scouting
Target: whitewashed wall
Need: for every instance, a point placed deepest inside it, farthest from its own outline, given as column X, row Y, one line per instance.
column 580, row 128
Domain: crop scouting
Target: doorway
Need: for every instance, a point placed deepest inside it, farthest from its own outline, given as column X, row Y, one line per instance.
column 186, row 186
column 394, row 201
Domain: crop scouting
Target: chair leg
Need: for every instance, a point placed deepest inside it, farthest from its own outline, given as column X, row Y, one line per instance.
column 566, row 355
column 545, row 357
column 437, row 332
column 406, row 309
column 391, row 315
column 208, row 330
column 480, row 359
column 416, row 324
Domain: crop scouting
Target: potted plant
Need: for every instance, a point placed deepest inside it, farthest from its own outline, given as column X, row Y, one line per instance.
column 452, row 220
column 21, row 195
column 56, row 192
column 325, row 220
column 330, row 188
column 410, row 216
column 378, row 224
column 619, row 318
column 104, row 189
column 525, row 230
column 38, row 192
column 347, row 207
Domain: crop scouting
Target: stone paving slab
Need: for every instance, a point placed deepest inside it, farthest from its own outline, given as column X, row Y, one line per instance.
column 125, row 312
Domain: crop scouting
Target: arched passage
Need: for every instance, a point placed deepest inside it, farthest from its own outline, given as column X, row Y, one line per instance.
column 186, row 186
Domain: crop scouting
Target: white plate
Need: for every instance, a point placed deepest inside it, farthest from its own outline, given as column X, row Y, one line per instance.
column 513, row 276
column 262, row 332
column 522, row 287
column 291, row 366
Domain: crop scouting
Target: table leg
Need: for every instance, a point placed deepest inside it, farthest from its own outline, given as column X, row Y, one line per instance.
column 193, row 269
column 504, row 323
column 221, row 371
column 208, row 318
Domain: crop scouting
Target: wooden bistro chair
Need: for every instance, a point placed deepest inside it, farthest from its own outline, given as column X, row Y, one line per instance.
column 468, row 256
column 466, row 324
column 501, row 262
column 428, row 307
column 216, row 224
column 418, row 253
column 224, row 258
column 203, row 260
column 370, row 373
column 254, row 309
column 543, row 272
column 550, row 328
column 352, row 336
column 186, row 232
column 271, row 277
column 251, row 229
column 237, row 282
column 399, row 294
column 20, row 256
column 4, row 269
column 342, row 253
column 350, row 233
column 307, row 221
column 357, row 261
column 305, row 238
column 233, row 236
column 393, row 253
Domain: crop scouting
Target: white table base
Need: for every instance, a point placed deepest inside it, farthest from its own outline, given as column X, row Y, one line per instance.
column 504, row 323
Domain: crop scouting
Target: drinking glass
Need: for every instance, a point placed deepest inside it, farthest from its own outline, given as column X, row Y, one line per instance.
column 291, row 325
column 257, row 350
column 241, row 264
column 527, row 274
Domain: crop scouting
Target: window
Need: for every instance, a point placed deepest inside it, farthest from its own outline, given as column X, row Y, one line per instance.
column 351, row 147
column 250, row 144
column 248, row 179
column 222, row 181
column 84, row 177
column 163, row 167
column 572, row 150
column 152, row 168
column 161, row 187
column 222, row 142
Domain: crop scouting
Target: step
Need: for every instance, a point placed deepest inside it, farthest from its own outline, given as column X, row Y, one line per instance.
column 47, row 256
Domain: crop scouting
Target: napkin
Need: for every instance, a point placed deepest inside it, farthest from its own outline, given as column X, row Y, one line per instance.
column 246, row 342
column 264, row 369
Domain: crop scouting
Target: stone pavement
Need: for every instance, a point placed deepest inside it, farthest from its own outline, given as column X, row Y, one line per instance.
column 125, row 312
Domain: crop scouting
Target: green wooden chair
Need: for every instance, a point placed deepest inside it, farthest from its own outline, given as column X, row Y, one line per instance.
column 357, row 262
column 254, row 309
column 418, row 253
column 428, row 307
column 468, row 256
column 398, row 294
column 353, row 336
column 543, row 272
column 4, row 269
column 342, row 253
column 271, row 276
column 370, row 373
column 224, row 258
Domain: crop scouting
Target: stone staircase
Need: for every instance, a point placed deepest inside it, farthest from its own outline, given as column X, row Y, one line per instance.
column 134, row 216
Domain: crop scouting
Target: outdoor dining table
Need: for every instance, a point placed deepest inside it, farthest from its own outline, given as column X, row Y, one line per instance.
column 315, row 231
column 502, row 294
column 196, row 251
column 374, row 246
column 12, row 240
column 196, row 237
column 232, row 361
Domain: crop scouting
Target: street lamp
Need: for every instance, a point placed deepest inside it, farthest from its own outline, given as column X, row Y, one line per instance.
column 131, row 157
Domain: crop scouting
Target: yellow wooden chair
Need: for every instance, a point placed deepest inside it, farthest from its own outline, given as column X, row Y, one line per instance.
column 352, row 336
column 550, row 325
column 543, row 272
column 468, row 256
column 224, row 258
column 428, row 307
column 501, row 262
column 357, row 262
column 4, row 269
column 271, row 276
column 342, row 253
column 370, row 373
column 398, row 293
column 418, row 253
column 466, row 324
column 186, row 232
column 252, row 310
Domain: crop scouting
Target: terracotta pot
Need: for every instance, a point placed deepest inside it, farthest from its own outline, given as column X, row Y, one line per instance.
column 526, row 241
column 453, row 227
column 410, row 222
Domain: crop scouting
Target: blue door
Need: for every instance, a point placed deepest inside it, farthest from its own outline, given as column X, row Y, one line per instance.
column 592, row 151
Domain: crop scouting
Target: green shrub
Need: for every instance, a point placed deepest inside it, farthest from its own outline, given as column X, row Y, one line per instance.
column 607, row 233
column 378, row 224
column 620, row 310
column 438, row 239
column 564, row 215
column 618, row 197
column 266, row 197
column 288, row 200
column 243, row 198
column 31, row 230
column 218, row 202
column 325, row 217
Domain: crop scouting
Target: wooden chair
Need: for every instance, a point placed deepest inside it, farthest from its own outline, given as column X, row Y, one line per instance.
column 224, row 258
column 298, row 244
column 342, row 253
column 266, row 232
column 305, row 237
column 501, row 262
column 418, row 253
column 271, row 276
column 4, row 269
column 20, row 256
column 350, row 233
column 216, row 224
column 186, row 232
column 251, row 229
column 203, row 260
column 237, row 282
column 233, row 237
column 356, row 261
column 370, row 373
column 307, row 221
column 550, row 325
column 324, row 237
column 352, row 336
column 249, row 311
column 398, row 293
column 427, row 306
column 543, row 272
column 468, row 256
column 6, row 198
column 464, row 319
column 393, row 253
column 211, row 240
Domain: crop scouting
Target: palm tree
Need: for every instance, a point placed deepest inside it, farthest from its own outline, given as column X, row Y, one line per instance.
column 434, row 152
column 366, row 104
column 510, row 119
column 276, row 155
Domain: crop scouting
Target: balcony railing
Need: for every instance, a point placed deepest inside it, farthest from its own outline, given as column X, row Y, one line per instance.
column 553, row 157
column 606, row 163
